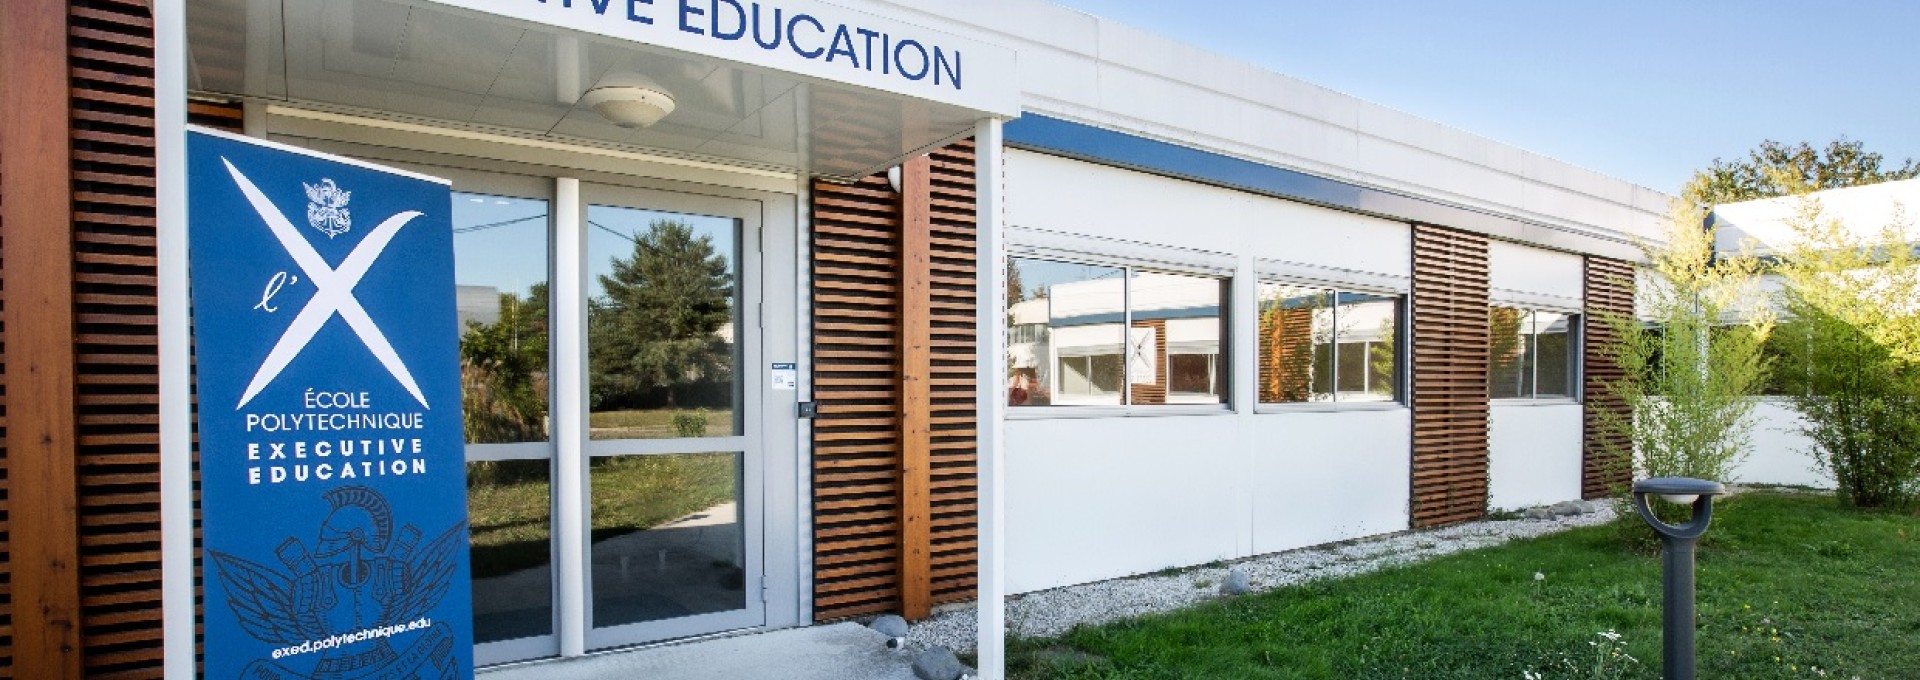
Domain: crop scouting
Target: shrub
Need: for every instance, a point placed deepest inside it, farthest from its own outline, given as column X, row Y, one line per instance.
column 1850, row 350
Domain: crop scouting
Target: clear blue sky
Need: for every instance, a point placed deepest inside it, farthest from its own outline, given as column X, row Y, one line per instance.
column 1643, row 90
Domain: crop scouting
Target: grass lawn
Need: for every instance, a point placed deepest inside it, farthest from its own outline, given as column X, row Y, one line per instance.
column 655, row 423
column 1790, row 583
column 510, row 516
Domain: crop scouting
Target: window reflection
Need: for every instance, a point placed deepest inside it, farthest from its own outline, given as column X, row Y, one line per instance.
column 1553, row 354
column 1296, row 336
column 1368, row 340
column 510, row 525
column 1085, row 335
column 1532, row 354
column 1509, row 374
column 1174, row 343
column 667, row 537
column 500, row 274
column 1319, row 344
column 1066, row 335
column 664, row 303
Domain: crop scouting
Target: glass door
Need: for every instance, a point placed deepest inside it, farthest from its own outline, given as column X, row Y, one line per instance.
column 502, row 240
column 673, row 502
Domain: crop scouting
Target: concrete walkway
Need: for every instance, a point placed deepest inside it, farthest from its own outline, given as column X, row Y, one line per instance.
column 842, row 651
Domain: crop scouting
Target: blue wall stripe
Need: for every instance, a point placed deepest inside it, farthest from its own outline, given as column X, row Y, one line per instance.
column 1045, row 134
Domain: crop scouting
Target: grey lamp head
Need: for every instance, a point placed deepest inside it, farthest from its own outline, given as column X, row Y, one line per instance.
column 1698, row 492
column 1679, row 489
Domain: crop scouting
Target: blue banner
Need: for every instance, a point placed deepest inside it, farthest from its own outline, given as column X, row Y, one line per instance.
column 333, row 479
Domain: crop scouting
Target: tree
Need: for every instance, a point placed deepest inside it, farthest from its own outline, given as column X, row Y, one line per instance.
column 657, row 325
column 503, row 371
column 1774, row 169
column 1688, row 380
column 1850, row 345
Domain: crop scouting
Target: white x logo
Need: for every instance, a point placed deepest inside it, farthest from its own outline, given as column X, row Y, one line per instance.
column 333, row 293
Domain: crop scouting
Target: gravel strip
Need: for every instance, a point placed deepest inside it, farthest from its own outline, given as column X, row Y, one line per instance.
column 1050, row 613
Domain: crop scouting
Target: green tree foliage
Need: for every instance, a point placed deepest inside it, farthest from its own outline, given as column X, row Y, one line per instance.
column 503, row 371
column 1775, row 169
column 1689, row 379
column 656, row 326
column 1504, row 352
column 1849, row 348
column 1288, row 342
column 1381, row 357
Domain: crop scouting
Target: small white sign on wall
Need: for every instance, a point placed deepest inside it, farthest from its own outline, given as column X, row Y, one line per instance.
column 786, row 377
column 1143, row 356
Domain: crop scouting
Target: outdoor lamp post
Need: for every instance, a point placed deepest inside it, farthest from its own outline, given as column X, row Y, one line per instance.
column 1678, row 542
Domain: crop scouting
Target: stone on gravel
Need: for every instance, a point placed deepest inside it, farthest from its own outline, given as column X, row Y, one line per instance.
column 938, row 663
column 892, row 626
column 1565, row 509
column 1539, row 513
column 1236, row 583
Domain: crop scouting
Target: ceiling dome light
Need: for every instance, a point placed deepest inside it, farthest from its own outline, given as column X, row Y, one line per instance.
column 629, row 106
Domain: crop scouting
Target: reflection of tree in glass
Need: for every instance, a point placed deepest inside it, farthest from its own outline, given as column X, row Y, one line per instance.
column 503, row 371
column 1505, row 351
column 1380, row 358
column 657, row 326
column 1286, row 346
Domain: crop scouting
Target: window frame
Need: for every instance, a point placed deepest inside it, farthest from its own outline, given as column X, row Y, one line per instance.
column 1402, row 373
column 1130, row 266
column 1576, row 357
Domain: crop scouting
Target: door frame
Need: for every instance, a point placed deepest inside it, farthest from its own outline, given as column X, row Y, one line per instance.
column 786, row 320
column 749, row 337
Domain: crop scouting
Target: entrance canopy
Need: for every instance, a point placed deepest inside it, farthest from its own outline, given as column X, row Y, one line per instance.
column 788, row 84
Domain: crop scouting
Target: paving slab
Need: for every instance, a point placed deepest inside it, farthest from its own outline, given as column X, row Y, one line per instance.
column 841, row 651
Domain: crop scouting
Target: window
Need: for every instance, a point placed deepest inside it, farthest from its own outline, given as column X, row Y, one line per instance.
column 500, row 272
column 1320, row 344
column 1533, row 354
column 1103, row 335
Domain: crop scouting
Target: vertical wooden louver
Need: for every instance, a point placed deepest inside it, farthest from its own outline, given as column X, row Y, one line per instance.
column 1609, row 293
column 114, row 283
column 856, row 435
column 894, row 501
column 115, row 335
column 953, row 444
column 1450, row 340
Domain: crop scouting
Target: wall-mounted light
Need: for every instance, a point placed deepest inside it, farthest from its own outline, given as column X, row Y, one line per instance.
column 893, row 178
column 629, row 101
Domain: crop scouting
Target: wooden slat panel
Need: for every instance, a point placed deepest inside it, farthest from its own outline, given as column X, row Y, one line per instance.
column 955, row 446
column 857, row 432
column 1449, row 346
column 110, row 48
column 1609, row 292
column 893, row 353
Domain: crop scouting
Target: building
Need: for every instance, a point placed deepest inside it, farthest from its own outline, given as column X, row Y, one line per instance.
column 1780, row 453
column 1241, row 313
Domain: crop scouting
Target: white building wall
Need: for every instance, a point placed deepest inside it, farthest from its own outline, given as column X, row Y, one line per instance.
column 1534, row 454
column 1323, row 477
column 1094, row 495
column 1083, row 68
column 1525, row 273
column 1096, row 498
column 1534, row 449
column 1779, row 454
column 1079, row 199
column 1864, row 211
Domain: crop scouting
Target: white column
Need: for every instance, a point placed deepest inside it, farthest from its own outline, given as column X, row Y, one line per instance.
column 176, row 354
column 570, row 413
column 991, row 383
